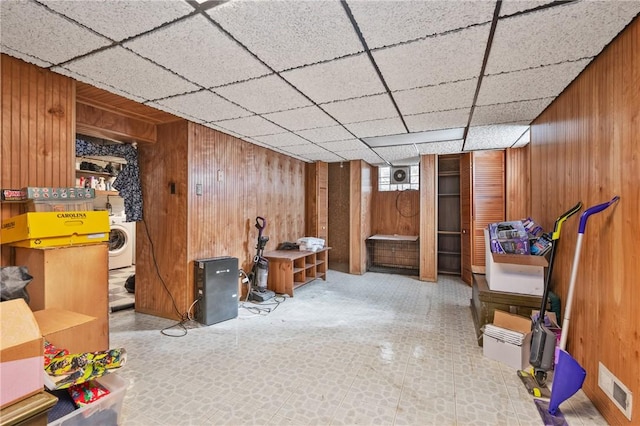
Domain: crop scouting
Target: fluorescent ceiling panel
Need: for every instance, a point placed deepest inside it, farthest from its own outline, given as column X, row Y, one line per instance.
column 440, row 59
column 389, row 22
column 348, row 145
column 126, row 71
column 536, row 83
column 344, row 78
column 123, row 18
column 415, row 138
column 362, row 109
column 36, row 32
column 437, row 120
column 265, row 94
column 205, row 106
column 524, row 139
column 563, row 33
column 301, row 118
column 326, row 134
column 509, row 112
column 197, row 50
column 251, row 126
column 509, row 7
column 442, row 97
column 281, row 140
column 395, row 154
column 289, row 34
column 440, row 148
column 362, row 154
column 386, row 126
column 498, row 136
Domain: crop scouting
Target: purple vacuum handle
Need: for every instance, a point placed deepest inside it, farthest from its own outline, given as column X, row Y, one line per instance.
column 593, row 210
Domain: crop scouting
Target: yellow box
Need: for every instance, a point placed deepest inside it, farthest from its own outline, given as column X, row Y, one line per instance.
column 49, row 229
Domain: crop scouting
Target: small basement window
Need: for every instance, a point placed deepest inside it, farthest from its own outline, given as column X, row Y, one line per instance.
column 386, row 183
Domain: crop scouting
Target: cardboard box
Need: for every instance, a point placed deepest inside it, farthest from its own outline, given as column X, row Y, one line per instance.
column 513, row 355
column 49, row 229
column 21, row 352
column 67, row 330
column 514, row 273
column 59, row 205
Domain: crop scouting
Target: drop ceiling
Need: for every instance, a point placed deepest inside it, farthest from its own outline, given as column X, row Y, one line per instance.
column 328, row 80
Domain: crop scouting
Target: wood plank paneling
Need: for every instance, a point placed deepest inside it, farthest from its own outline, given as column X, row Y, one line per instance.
column 584, row 147
column 339, row 208
column 466, row 197
column 518, row 183
column 428, row 203
column 316, row 201
column 38, row 149
column 396, row 212
column 355, row 222
column 101, row 123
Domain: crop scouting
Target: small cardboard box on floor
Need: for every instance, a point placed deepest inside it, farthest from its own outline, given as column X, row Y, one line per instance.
column 514, row 273
column 515, row 356
column 22, row 345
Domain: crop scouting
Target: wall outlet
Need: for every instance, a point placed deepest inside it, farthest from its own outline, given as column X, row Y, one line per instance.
column 220, row 175
column 615, row 390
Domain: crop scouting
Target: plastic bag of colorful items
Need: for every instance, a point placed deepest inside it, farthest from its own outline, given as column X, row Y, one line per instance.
column 76, row 372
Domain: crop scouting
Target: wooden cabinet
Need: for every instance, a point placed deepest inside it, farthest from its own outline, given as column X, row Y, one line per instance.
column 317, row 200
column 482, row 176
column 449, row 243
column 74, row 278
column 291, row 269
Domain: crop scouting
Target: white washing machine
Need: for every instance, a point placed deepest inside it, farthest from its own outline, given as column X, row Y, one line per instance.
column 121, row 242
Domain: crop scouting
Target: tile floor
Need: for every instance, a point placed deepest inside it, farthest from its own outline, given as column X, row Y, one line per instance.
column 119, row 298
column 371, row 349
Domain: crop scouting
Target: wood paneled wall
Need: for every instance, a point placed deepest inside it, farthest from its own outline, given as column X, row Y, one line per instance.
column 239, row 181
column 362, row 176
column 428, row 217
column 396, row 212
column 585, row 147
column 38, row 131
column 518, row 183
column 339, row 213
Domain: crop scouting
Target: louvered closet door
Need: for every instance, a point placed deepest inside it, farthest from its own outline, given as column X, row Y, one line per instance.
column 488, row 203
column 466, row 193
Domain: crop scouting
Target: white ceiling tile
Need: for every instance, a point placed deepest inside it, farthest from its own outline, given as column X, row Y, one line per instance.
column 563, row 33
column 437, row 98
column 301, row 118
column 498, row 136
column 97, row 84
column 288, row 34
column 388, row 22
column 222, row 130
column 509, row 7
column 509, row 112
column 438, row 120
column 348, row 145
column 205, row 105
column 397, row 153
column 35, row 32
column 251, row 126
column 535, row 83
column 24, row 56
column 439, row 59
column 177, row 113
column 327, row 157
column 326, row 134
column 304, row 149
column 263, row 95
column 445, row 147
column 123, row 18
column 126, row 71
column 362, row 109
column 281, row 140
column 524, row 139
column 344, row 78
column 384, row 127
column 199, row 51
column 367, row 155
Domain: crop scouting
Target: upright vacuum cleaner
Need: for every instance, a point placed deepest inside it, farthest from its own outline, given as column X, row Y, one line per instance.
column 260, row 271
column 543, row 340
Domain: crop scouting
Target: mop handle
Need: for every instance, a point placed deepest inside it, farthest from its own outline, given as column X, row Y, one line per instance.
column 566, row 215
column 574, row 270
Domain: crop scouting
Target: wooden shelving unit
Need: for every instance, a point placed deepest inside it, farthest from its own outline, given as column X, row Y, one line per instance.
column 449, row 241
column 290, row 269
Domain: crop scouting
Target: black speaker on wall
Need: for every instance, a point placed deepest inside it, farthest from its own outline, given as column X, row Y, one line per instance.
column 216, row 285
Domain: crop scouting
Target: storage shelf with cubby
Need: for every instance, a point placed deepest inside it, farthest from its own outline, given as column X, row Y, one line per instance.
column 290, row 269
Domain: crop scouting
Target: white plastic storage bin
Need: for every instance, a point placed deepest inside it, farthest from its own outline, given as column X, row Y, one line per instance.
column 96, row 412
